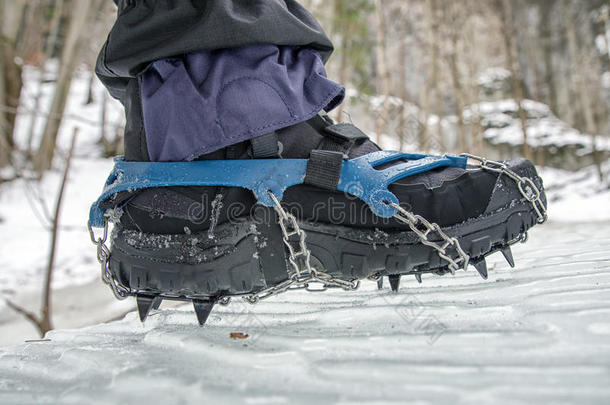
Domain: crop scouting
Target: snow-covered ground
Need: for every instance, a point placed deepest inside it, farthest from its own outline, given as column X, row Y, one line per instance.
column 539, row 333
column 577, row 196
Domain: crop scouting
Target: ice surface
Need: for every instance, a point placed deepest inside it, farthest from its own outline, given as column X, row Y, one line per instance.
column 538, row 333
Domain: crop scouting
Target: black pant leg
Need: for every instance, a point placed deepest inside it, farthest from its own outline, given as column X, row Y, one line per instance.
column 147, row 30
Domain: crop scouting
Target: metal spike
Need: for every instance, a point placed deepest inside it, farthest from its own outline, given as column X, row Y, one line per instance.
column 508, row 255
column 203, row 309
column 481, row 267
column 394, row 281
column 157, row 303
column 380, row 283
column 144, row 304
column 418, row 277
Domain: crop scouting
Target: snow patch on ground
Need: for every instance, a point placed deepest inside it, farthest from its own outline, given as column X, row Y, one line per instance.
column 500, row 118
column 24, row 235
column 577, row 196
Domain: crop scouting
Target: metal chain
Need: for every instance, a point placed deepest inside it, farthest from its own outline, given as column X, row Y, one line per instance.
column 103, row 257
column 423, row 228
column 301, row 274
column 526, row 186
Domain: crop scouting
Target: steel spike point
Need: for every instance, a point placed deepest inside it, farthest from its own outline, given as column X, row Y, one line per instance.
column 157, row 303
column 380, row 283
column 418, row 277
column 481, row 267
column 202, row 310
column 394, row 281
column 144, row 304
column 508, row 255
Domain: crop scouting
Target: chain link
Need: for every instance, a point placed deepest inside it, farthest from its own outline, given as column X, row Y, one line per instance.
column 526, row 186
column 103, row 257
column 301, row 273
column 423, row 229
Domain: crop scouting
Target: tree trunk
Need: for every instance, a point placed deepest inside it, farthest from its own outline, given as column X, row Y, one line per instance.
column 430, row 84
column 46, row 323
column 435, row 75
column 81, row 15
column 10, row 75
column 505, row 9
column 472, row 93
column 402, row 82
column 582, row 90
column 452, row 20
column 51, row 42
column 383, row 80
column 546, row 38
column 6, row 137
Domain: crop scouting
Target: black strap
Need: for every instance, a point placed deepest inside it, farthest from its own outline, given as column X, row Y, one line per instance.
column 324, row 169
column 345, row 132
column 265, row 146
column 341, row 137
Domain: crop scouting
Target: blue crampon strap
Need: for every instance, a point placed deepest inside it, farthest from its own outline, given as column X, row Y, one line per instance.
column 359, row 177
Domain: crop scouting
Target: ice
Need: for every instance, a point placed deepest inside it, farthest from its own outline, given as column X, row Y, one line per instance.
column 215, row 214
column 534, row 334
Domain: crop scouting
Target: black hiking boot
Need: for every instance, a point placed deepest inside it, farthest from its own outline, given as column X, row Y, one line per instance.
column 207, row 243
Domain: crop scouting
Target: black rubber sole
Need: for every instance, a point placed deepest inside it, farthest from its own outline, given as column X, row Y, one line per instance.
column 232, row 261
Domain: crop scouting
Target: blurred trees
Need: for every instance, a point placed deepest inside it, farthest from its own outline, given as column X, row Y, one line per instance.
column 10, row 74
column 431, row 54
column 32, row 33
column 413, row 68
column 81, row 17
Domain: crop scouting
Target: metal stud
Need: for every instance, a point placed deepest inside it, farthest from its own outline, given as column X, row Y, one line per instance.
column 394, row 281
column 203, row 309
column 481, row 267
column 145, row 303
column 508, row 255
column 157, row 303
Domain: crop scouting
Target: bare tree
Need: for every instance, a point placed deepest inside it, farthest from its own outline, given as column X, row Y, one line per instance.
column 431, row 85
column 545, row 34
column 82, row 14
column 435, row 74
column 10, row 74
column 383, row 76
column 582, row 64
column 44, row 321
column 507, row 28
column 453, row 20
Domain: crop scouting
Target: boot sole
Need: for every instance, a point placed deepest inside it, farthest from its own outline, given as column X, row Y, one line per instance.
column 231, row 262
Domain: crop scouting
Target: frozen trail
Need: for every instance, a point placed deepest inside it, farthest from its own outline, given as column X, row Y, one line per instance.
column 536, row 333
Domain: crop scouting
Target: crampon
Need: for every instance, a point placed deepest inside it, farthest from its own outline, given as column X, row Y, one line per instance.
column 272, row 248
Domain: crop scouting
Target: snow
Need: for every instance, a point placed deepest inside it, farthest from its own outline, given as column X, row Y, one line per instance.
column 500, row 118
column 24, row 235
column 493, row 78
column 577, row 196
column 536, row 333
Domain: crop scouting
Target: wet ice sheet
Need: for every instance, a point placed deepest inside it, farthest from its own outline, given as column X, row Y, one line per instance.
column 537, row 333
